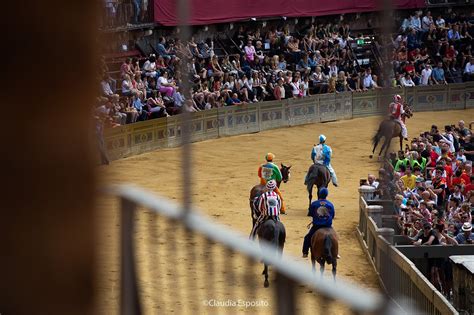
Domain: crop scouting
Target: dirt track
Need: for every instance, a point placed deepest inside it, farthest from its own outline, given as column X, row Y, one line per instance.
column 225, row 169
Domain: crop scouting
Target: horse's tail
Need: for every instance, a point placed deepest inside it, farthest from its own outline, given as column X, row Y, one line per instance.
column 276, row 234
column 328, row 248
column 378, row 135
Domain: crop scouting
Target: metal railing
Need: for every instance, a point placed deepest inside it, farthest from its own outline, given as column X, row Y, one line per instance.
column 400, row 277
column 176, row 261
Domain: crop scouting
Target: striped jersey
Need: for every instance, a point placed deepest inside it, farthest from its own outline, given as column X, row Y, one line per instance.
column 269, row 204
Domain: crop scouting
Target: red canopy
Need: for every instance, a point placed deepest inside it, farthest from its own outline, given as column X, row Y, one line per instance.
column 219, row 11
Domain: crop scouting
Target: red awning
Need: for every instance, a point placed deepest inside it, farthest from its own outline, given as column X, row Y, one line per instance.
column 220, row 11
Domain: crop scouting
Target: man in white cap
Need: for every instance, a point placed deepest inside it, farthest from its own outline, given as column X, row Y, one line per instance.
column 465, row 236
column 321, row 154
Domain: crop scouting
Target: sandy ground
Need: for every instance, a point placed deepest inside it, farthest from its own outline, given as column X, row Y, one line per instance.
column 224, row 170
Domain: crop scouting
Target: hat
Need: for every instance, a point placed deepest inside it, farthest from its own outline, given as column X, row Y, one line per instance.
column 323, row 193
column 269, row 157
column 322, row 138
column 466, row 227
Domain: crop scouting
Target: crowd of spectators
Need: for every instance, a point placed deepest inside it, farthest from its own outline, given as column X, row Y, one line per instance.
column 277, row 63
column 432, row 50
column 432, row 185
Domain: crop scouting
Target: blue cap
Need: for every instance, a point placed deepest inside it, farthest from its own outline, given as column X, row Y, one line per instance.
column 323, row 193
column 322, row 138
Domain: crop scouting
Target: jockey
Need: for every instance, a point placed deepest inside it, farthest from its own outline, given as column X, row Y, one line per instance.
column 322, row 211
column 396, row 112
column 321, row 154
column 270, row 171
column 269, row 205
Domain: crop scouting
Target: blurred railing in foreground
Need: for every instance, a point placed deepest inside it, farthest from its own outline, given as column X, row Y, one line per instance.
column 179, row 261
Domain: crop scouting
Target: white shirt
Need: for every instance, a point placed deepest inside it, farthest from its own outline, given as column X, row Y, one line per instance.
column 441, row 23
column 161, row 81
column 406, row 82
column 425, row 75
column 368, row 82
column 469, row 69
column 426, row 22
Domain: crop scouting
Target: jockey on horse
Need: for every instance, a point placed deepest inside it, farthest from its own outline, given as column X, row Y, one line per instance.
column 269, row 204
column 322, row 211
column 397, row 112
column 269, row 171
column 321, row 154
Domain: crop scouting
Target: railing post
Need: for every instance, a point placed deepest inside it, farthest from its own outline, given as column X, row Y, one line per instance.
column 285, row 295
column 386, row 233
column 129, row 304
column 375, row 212
column 367, row 192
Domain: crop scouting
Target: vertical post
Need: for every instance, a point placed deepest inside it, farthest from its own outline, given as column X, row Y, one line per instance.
column 375, row 212
column 184, row 35
column 387, row 233
column 129, row 303
column 285, row 295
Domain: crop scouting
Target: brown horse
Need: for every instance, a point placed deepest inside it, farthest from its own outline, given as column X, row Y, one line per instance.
column 257, row 190
column 389, row 129
column 318, row 175
column 324, row 249
column 272, row 231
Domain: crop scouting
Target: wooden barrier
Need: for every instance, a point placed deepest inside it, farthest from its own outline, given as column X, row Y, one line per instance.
column 227, row 121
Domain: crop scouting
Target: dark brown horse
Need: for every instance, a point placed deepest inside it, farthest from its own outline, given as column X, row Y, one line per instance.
column 389, row 129
column 324, row 249
column 274, row 232
column 318, row 175
column 257, row 190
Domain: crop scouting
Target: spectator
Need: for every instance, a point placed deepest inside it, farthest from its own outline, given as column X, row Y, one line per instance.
column 367, row 82
column 465, row 236
column 438, row 74
column 426, row 75
column 469, row 70
column 407, row 81
column 163, row 85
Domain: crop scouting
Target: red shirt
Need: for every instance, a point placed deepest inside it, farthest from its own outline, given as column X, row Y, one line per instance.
column 409, row 68
column 466, row 178
column 468, row 188
column 449, row 175
column 434, row 156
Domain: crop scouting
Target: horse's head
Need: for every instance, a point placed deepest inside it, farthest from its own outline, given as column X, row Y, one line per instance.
column 408, row 110
column 285, row 172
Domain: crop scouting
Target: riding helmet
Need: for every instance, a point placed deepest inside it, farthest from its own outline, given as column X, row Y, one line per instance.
column 269, row 157
column 271, row 184
column 397, row 98
column 322, row 138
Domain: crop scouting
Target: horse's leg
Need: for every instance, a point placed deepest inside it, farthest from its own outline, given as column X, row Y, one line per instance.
column 387, row 147
column 321, row 266
column 265, row 273
column 310, row 193
column 383, row 147
column 334, row 267
column 313, row 263
column 401, row 143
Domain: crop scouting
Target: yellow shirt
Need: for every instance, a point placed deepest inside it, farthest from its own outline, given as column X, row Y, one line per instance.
column 409, row 181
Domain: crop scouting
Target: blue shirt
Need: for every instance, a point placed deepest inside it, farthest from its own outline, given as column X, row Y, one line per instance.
column 138, row 104
column 322, row 218
column 461, row 238
column 438, row 74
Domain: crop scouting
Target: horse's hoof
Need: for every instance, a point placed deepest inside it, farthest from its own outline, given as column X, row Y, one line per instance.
column 266, row 284
column 371, row 156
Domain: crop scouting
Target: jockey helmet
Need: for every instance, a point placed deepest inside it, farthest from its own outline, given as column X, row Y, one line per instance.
column 271, row 184
column 323, row 193
column 397, row 98
column 269, row 157
column 322, row 138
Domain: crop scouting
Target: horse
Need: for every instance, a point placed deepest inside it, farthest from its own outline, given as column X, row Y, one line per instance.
column 324, row 249
column 388, row 129
column 257, row 190
column 317, row 175
column 272, row 231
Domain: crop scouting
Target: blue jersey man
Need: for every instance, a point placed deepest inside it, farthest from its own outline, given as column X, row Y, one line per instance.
column 321, row 154
column 322, row 211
